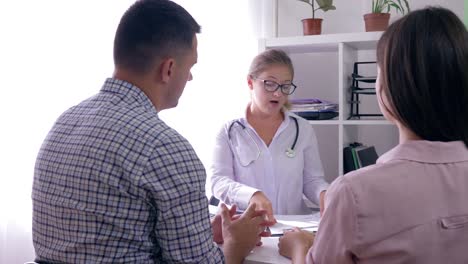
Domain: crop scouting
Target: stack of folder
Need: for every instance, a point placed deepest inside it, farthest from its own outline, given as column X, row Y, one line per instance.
column 314, row 108
column 357, row 155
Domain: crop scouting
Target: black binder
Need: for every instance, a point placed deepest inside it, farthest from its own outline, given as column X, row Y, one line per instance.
column 357, row 155
column 366, row 156
column 348, row 163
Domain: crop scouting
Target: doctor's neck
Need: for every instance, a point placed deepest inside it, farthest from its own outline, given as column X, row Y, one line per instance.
column 254, row 113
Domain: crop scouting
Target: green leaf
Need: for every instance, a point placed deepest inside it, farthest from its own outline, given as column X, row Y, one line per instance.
column 379, row 6
column 324, row 4
column 398, row 9
column 401, row 7
column 325, row 9
column 408, row 8
column 307, row 2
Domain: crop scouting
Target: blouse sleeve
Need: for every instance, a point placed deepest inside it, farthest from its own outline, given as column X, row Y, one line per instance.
column 338, row 226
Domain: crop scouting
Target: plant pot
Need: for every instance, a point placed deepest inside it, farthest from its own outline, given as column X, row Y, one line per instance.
column 312, row 26
column 376, row 21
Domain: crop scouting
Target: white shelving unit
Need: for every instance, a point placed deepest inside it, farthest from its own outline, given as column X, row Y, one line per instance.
column 323, row 66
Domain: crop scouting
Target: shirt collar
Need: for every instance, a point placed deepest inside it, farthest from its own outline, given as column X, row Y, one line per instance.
column 129, row 90
column 427, row 152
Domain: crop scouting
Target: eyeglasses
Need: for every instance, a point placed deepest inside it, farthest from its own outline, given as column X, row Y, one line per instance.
column 272, row 86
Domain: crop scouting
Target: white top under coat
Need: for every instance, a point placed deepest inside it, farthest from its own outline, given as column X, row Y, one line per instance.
column 284, row 180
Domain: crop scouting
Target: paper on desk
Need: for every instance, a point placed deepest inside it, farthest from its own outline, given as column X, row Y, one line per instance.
column 305, row 222
column 213, row 210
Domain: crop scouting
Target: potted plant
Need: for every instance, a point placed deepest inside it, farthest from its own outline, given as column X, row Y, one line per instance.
column 313, row 26
column 380, row 16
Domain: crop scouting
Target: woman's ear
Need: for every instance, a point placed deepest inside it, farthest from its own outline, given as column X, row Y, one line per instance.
column 250, row 82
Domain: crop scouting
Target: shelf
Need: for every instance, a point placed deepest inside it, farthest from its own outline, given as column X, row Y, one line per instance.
column 350, row 122
column 324, row 122
column 323, row 43
column 366, row 122
column 323, row 66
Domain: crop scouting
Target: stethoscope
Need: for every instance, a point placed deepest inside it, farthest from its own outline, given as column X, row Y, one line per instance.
column 290, row 152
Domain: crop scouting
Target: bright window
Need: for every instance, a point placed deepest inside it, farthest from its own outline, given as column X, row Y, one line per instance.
column 55, row 53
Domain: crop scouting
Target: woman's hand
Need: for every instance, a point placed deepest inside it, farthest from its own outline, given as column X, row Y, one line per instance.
column 295, row 244
column 263, row 204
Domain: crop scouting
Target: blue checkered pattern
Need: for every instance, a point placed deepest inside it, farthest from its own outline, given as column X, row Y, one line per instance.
column 114, row 184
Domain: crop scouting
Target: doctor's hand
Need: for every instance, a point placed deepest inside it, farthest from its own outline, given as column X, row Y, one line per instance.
column 295, row 244
column 263, row 203
column 241, row 232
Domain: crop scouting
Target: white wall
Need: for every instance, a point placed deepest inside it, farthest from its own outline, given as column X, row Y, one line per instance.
column 348, row 16
column 55, row 53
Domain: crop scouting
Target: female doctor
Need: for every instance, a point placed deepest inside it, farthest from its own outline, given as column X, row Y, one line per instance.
column 270, row 156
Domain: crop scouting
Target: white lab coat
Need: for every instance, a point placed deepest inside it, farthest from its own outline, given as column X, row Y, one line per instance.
column 284, row 180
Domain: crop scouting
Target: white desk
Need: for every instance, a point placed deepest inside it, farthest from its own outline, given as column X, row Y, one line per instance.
column 266, row 253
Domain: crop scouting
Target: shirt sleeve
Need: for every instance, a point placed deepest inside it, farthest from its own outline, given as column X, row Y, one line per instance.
column 338, row 227
column 314, row 181
column 223, row 180
column 175, row 181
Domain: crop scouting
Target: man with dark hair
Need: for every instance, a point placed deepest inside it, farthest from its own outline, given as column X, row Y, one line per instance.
column 113, row 183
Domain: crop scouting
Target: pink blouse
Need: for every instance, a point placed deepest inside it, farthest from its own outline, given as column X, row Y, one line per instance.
column 411, row 207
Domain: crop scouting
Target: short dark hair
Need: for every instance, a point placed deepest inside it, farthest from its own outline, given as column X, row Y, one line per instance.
column 423, row 58
column 151, row 30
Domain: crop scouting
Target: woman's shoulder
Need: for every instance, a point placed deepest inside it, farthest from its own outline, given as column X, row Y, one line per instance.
column 378, row 178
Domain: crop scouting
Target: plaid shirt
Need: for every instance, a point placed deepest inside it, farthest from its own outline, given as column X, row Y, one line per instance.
column 113, row 184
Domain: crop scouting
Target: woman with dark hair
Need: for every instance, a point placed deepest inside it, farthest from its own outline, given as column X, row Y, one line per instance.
column 410, row 207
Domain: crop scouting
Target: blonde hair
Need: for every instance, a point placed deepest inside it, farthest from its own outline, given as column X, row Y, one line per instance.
column 268, row 58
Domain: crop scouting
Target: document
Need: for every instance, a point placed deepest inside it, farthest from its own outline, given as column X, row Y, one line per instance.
column 286, row 222
column 308, row 222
